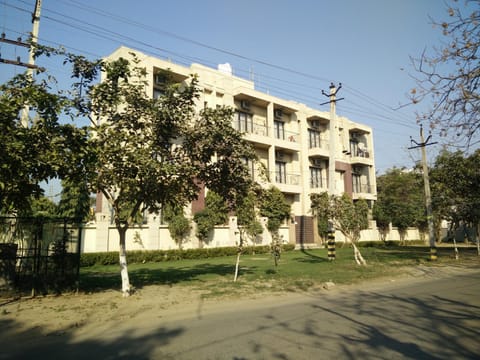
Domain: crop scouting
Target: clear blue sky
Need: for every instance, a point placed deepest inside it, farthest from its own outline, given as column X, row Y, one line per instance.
column 364, row 44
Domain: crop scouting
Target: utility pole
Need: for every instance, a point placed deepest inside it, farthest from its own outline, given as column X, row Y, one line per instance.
column 31, row 58
column 428, row 198
column 333, row 138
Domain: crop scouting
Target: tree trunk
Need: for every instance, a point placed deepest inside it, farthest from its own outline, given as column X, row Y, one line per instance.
column 236, row 267
column 454, row 244
column 478, row 239
column 126, row 289
column 358, row 256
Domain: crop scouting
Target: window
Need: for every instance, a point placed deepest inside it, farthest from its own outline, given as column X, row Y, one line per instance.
column 244, row 122
column 250, row 165
column 280, row 172
column 313, row 138
column 279, row 129
column 315, row 177
column 356, row 183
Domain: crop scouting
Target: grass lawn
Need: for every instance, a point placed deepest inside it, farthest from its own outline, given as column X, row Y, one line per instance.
column 297, row 270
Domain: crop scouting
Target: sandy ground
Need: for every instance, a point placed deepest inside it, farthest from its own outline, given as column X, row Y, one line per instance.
column 53, row 315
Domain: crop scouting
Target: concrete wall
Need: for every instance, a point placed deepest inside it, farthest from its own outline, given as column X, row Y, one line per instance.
column 102, row 236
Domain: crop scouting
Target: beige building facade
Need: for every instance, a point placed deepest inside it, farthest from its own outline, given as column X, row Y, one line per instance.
column 292, row 140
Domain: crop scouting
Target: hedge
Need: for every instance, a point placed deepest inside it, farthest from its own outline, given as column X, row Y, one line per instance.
column 139, row 256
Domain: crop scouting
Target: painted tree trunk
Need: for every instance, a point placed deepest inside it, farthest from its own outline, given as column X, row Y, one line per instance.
column 478, row 239
column 236, row 267
column 358, row 256
column 123, row 264
column 455, row 248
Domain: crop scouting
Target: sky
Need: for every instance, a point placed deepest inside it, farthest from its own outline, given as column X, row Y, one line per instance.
column 291, row 49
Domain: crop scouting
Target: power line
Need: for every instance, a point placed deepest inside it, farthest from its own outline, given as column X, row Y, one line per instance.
column 115, row 37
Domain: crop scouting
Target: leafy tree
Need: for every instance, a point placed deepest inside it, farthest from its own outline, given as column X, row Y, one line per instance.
column 214, row 213
column 152, row 153
column 74, row 200
column 383, row 219
column 456, row 189
column 249, row 226
column 347, row 216
column 400, row 200
column 178, row 224
column 43, row 150
column 450, row 74
column 43, row 206
column 274, row 206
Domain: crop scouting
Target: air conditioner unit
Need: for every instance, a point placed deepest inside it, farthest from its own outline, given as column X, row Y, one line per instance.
column 317, row 162
column 354, row 135
column 278, row 155
column 245, row 105
column 278, row 113
column 315, row 124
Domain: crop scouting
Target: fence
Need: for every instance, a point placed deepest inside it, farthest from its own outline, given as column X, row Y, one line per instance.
column 39, row 254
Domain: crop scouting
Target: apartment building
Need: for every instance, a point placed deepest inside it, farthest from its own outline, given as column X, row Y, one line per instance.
column 303, row 149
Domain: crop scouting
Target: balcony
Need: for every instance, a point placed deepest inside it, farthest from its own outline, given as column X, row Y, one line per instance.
column 319, row 149
column 360, row 156
column 318, row 184
column 364, row 191
column 286, row 139
column 286, row 182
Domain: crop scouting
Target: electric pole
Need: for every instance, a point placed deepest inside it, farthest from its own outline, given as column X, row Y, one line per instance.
column 428, row 198
column 31, row 58
column 333, row 138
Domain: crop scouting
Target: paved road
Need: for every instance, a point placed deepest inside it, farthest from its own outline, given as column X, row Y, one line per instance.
column 431, row 318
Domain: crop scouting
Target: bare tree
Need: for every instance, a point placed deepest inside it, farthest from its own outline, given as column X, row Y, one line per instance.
column 449, row 75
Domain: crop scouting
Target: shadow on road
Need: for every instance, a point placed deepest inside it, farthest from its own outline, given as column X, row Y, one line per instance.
column 35, row 344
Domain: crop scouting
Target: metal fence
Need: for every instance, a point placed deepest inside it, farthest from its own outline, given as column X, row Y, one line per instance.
column 39, row 254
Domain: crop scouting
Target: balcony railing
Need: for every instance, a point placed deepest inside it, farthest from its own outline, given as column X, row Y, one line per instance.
column 363, row 188
column 262, row 130
column 363, row 153
column 287, row 135
column 318, row 183
column 323, row 144
column 285, row 178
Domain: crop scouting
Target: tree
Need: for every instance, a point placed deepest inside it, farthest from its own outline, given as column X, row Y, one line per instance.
column 347, row 216
column 383, row 219
column 450, row 75
column 178, row 224
column 274, row 206
column 456, row 189
column 249, row 226
column 152, row 153
column 74, row 200
column 399, row 200
column 43, row 206
column 45, row 149
column 214, row 213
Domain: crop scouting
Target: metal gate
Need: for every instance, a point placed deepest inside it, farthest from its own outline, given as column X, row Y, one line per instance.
column 39, row 254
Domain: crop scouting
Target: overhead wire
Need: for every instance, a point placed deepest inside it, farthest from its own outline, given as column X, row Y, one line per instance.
column 115, row 36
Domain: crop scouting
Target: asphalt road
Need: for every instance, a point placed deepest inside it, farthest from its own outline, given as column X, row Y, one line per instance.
column 433, row 317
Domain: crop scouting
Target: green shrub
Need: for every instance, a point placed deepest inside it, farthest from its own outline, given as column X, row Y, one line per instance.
column 138, row 256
